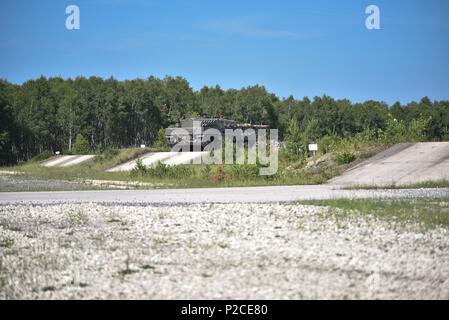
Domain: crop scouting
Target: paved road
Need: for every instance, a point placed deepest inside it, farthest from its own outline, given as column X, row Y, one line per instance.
column 216, row 195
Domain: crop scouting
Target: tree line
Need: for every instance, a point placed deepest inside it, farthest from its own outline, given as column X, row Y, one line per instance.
column 47, row 114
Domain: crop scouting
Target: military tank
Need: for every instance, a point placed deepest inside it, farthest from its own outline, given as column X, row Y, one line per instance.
column 196, row 136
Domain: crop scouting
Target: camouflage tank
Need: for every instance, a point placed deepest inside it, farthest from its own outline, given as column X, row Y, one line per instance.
column 203, row 123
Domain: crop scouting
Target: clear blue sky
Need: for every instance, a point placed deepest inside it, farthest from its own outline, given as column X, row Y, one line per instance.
column 300, row 48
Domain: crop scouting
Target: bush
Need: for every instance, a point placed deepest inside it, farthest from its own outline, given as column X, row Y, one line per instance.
column 163, row 171
column 160, row 170
column 345, row 157
column 81, row 145
column 205, row 171
column 366, row 137
column 294, row 148
column 139, row 169
column 328, row 144
column 247, row 171
column 400, row 131
column 417, row 129
column 161, row 142
column 107, row 154
column 297, row 139
column 218, row 174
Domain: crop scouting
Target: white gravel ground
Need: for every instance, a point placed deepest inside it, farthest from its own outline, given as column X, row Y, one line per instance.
column 237, row 251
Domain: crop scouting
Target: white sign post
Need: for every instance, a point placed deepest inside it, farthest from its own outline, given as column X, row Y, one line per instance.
column 314, row 148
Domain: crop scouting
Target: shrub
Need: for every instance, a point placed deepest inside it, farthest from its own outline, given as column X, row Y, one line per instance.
column 160, row 170
column 366, row 137
column 205, row 171
column 181, row 171
column 417, row 129
column 328, row 144
column 81, row 145
column 139, row 169
column 161, row 142
column 294, row 149
column 400, row 131
column 247, row 171
column 345, row 157
column 297, row 139
column 107, row 154
column 163, row 171
column 218, row 174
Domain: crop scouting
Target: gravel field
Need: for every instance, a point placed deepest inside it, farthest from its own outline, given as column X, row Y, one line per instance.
column 20, row 183
column 235, row 251
column 13, row 182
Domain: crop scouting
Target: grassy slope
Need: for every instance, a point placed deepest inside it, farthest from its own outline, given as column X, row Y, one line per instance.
column 194, row 176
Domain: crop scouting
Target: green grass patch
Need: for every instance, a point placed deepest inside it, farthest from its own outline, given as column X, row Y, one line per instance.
column 6, row 242
column 430, row 213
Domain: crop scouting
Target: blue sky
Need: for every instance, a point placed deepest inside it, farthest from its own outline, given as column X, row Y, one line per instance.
column 299, row 48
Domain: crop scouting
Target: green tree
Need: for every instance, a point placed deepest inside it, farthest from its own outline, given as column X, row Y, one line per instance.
column 47, row 113
column 294, row 147
column 161, row 142
column 7, row 128
column 81, row 145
